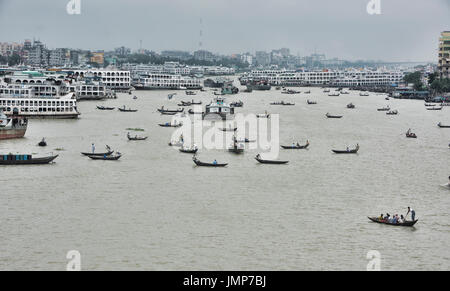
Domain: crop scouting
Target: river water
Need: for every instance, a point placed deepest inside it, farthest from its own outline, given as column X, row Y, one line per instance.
column 153, row 210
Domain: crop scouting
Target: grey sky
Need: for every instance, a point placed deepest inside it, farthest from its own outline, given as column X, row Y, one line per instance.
column 407, row 30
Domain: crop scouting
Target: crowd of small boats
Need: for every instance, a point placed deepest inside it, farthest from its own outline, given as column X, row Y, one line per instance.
column 236, row 147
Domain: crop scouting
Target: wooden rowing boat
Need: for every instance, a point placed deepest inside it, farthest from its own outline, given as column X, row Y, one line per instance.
column 406, row 223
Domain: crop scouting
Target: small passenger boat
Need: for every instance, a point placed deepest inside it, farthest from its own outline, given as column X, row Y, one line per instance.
column 443, row 126
column 12, row 159
column 406, row 223
column 274, row 162
column 347, row 151
column 126, row 110
column 136, row 137
column 105, row 108
column 162, row 110
column 392, row 112
column 167, row 124
column 237, row 104
column 296, row 146
column 387, row 108
column 202, row 164
column 114, row 157
column 191, row 150
column 328, row 115
column 410, row 134
column 42, row 143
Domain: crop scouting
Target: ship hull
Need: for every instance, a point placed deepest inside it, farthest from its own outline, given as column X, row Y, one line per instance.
column 258, row 87
column 12, row 133
column 167, row 88
column 51, row 116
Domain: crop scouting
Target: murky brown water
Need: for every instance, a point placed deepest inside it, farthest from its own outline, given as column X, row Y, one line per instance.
column 153, row 210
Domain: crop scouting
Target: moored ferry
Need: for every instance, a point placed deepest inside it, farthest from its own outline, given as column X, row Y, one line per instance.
column 166, row 81
column 28, row 101
column 14, row 127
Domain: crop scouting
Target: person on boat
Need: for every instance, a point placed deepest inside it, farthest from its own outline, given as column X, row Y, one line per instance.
column 391, row 219
column 381, row 218
column 104, row 156
column 128, row 135
column 215, row 162
column 386, row 218
column 93, row 148
column 395, row 219
column 413, row 213
column 348, row 149
column 402, row 219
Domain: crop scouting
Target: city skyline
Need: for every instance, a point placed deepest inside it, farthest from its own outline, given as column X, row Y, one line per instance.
column 403, row 31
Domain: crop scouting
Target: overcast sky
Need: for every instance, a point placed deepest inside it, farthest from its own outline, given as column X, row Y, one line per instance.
column 407, row 30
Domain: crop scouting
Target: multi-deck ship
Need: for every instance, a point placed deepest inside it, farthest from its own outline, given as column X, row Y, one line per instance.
column 37, row 101
column 12, row 127
column 342, row 78
column 89, row 90
column 166, row 81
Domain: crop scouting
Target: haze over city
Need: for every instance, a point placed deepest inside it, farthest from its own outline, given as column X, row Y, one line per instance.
column 406, row 30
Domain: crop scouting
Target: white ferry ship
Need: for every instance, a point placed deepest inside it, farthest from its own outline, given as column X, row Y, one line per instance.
column 37, row 101
column 166, row 81
column 112, row 79
column 85, row 88
column 343, row 78
column 90, row 90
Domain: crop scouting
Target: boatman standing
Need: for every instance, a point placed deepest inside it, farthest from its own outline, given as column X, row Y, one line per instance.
column 93, row 148
column 413, row 213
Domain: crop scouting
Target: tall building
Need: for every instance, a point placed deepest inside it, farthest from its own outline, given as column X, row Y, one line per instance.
column 57, row 57
column 203, row 55
column 98, row 57
column 444, row 55
column 38, row 55
column 262, row 58
column 122, row 51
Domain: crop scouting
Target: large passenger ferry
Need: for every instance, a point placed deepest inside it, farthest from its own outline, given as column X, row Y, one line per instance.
column 166, row 81
column 43, row 101
column 14, row 127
